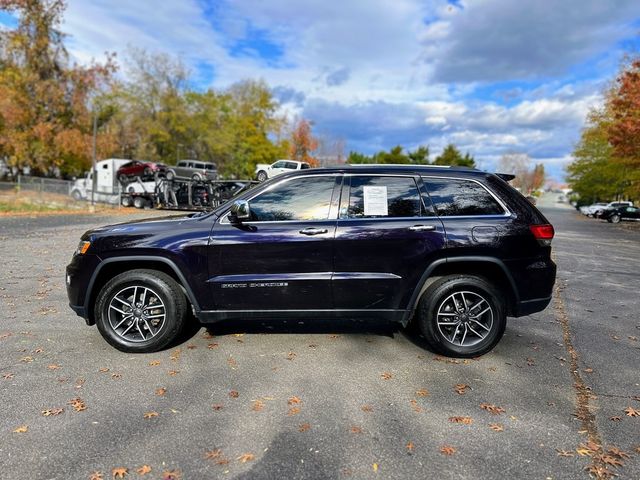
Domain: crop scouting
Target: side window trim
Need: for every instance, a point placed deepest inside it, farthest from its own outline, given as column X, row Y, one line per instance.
column 506, row 211
column 333, row 209
column 346, row 196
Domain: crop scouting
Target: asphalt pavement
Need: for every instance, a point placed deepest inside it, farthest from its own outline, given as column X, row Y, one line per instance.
column 329, row 400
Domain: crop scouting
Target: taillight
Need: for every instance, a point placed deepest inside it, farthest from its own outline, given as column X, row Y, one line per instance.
column 543, row 233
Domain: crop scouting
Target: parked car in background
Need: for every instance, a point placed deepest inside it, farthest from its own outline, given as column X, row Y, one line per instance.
column 264, row 171
column 621, row 213
column 454, row 250
column 590, row 210
column 611, row 206
column 137, row 168
column 193, row 169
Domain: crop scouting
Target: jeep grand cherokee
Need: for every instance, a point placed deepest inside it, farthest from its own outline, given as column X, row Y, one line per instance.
column 455, row 250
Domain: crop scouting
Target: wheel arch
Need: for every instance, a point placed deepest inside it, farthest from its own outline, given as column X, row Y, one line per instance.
column 491, row 268
column 110, row 267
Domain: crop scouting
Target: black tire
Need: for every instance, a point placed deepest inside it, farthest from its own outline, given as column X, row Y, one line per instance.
column 76, row 195
column 139, row 202
column 262, row 176
column 438, row 297
column 196, row 177
column 170, row 175
column 126, row 201
column 169, row 292
column 615, row 218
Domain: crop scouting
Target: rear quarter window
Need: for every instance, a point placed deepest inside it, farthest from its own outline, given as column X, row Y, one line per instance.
column 458, row 197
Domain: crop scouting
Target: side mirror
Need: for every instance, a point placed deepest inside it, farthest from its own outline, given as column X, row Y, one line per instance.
column 239, row 211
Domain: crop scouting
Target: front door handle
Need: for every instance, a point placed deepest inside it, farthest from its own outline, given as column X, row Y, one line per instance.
column 313, row 231
column 422, row 228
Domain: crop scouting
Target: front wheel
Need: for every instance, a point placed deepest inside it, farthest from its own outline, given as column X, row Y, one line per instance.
column 462, row 316
column 141, row 311
column 615, row 219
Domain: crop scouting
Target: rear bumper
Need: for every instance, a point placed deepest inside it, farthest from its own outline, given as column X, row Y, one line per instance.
column 527, row 307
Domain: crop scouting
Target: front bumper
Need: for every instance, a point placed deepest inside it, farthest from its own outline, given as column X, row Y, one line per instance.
column 78, row 277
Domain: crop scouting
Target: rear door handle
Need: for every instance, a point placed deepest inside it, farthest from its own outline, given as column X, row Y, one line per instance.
column 313, row 231
column 422, row 228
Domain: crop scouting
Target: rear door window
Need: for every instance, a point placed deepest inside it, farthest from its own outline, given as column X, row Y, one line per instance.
column 380, row 197
column 457, row 197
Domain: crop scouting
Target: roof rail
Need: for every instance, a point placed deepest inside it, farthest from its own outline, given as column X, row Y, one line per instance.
column 407, row 165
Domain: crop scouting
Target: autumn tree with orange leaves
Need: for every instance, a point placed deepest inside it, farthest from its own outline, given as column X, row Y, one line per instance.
column 45, row 120
column 624, row 129
column 303, row 144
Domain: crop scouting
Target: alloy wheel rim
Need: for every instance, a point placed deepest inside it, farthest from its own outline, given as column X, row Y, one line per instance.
column 136, row 313
column 464, row 318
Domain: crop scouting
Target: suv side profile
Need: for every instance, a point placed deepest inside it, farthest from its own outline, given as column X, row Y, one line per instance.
column 455, row 250
column 264, row 171
column 193, row 169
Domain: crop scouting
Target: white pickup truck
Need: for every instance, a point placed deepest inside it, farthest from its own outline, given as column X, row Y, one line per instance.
column 264, row 171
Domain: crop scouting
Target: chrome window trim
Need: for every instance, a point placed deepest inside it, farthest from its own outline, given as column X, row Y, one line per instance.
column 224, row 220
column 507, row 212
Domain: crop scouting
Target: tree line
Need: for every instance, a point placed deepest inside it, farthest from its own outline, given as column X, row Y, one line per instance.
column 606, row 163
column 55, row 113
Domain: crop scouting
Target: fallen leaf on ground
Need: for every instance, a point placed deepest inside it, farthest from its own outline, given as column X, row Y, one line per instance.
column 8, row 376
column 423, row 392
column 611, row 460
column 161, row 391
column 564, row 453
column 463, row 420
column 415, row 406
column 356, row 429
column 304, row 427
column 447, row 450
column 461, row 388
column 119, row 472
column 293, row 401
column 231, row 362
column 375, row 467
column 217, row 406
column 367, row 408
column 234, row 394
column 293, row 411
column 52, row 412
column 170, row 475
column 154, row 363
column 496, row 427
column 53, row 366
column 616, row 418
column 291, row 355
column 213, row 454
column 246, row 457
column 598, row 471
column 386, row 376
column 409, row 446
column 96, row 476
column 632, row 412
column 77, row 404
column 211, row 346
column 143, row 470
column 103, row 370
column 116, row 375
column 258, row 405
column 149, row 415
column 616, row 452
column 492, row 409
column 174, row 372
column 21, row 429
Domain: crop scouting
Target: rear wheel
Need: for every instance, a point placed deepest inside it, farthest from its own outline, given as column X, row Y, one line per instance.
column 139, row 202
column 615, row 218
column 170, row 175
column 462, row 316
column 141, row 311
column 126, row 201
column 196, row 177
column 262, row 176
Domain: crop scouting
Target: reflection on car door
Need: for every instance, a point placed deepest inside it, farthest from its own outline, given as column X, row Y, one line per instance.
column 281, row 259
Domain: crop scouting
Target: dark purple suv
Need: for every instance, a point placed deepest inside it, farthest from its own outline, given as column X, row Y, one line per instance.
column 455, row 250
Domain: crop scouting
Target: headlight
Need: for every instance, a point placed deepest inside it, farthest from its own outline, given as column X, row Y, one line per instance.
column 83, row 247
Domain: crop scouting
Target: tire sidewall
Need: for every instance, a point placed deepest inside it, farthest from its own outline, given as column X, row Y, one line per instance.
column 262, row 176
column 161, row 288
column 440, row 290
column 615, row 219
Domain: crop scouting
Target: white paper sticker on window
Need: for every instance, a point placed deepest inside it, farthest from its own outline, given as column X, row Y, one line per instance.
column 375, row 201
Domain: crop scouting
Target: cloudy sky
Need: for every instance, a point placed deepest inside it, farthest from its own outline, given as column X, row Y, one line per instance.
column 491, row 76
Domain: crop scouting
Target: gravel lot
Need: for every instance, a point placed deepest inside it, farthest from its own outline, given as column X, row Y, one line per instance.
column 294, row 400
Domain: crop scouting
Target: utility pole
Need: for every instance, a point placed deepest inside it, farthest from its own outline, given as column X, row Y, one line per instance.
column 94, row 180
